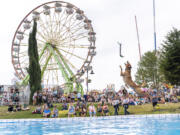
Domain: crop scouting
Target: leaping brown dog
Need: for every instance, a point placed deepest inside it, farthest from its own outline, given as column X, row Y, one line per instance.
column 128, row 79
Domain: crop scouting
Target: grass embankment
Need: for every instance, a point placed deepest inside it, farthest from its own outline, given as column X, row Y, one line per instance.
column 140, row 109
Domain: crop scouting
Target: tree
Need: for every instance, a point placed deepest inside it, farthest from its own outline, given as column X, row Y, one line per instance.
column 148, row 70
column 170, row 57
column 34, row 69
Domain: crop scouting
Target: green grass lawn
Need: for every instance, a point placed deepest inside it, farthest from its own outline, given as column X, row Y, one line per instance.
column 140, row 109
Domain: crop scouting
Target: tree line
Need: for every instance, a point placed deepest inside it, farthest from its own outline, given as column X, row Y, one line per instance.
column 163, row 65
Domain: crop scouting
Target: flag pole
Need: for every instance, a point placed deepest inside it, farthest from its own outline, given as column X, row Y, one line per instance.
column 138, row 38
column 154, row 22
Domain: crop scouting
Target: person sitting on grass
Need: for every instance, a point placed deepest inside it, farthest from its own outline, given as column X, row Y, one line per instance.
column 77, row 107
column 72, row 97
column 10, row 107
column 25, row 107
column 37, row 110
column 43, row 107
column 103, row 100
column 79, row 96
column 47, row 112
column 55, row 112
column 79, row 110
column 18, row 107
column 175, row 99
column 99, row 109
column 71, row 110
column 83, row 110
column 105, row 109
column 49, row 103
column 92, row 110
column 162, row 100
column 64, row 106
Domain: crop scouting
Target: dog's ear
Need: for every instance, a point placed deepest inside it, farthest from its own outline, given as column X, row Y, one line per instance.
column 128, row 63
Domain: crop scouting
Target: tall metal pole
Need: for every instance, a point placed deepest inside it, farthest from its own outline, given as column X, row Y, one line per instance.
column 138, row 38
column 87, row 81
column 154, row 21
column 155, row 45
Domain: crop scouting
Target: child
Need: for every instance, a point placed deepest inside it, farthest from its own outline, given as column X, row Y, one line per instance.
column 46, row 112
column 71, row 110
column 55, row 112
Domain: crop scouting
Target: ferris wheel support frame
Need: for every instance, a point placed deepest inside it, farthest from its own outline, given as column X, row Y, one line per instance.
column 64, row 73
column 78, row 85
column 45, row 66
column 65, row 64
column 69, row 82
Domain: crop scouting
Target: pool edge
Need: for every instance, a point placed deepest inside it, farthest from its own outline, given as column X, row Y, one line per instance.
column 90, row 118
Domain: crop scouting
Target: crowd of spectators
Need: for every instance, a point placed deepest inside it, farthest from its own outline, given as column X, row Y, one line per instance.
column 11, row 96
column 53, row 96
column 82, row 105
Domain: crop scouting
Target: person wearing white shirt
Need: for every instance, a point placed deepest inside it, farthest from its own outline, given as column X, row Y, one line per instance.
column 79, row 96
column 125, row 105
column 92, row 110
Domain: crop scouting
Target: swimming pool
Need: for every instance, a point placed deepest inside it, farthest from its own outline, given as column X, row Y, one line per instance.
column 119, row 125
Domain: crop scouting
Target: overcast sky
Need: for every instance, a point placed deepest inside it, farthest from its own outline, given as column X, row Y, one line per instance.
column 113, row 20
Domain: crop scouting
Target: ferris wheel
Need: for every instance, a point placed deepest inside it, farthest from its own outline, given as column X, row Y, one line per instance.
column 65, row 40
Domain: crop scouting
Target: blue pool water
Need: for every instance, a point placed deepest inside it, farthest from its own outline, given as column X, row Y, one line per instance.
column 121, row 125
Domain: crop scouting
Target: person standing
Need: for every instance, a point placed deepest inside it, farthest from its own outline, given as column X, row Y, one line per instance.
column 154, row 101
column 125, row 105
column 115, row 104
column 86, row 97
